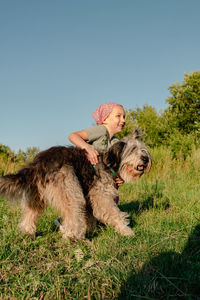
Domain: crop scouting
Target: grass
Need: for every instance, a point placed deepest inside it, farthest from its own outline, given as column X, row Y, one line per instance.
column 161, row 262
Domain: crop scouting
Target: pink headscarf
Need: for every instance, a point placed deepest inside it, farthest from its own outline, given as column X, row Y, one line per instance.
column 103, row 111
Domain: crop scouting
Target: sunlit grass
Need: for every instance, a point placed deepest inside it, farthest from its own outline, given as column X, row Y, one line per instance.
column 162, row 261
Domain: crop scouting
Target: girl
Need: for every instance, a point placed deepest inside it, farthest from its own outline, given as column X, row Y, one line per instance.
column 110, row 119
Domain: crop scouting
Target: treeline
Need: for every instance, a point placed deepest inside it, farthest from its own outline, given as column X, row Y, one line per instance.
column 177, row 127
column 10, row 162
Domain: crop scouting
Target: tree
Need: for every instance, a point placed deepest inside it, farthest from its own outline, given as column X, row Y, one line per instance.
column 184, row 104
column 152, row 124
column 25, row 157
column 130, row 125
column 31, row 152
column 5, row 151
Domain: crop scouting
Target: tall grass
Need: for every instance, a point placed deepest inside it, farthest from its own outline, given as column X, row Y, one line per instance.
column 162, row 261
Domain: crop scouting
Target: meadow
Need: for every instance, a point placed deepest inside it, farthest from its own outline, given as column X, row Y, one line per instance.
column 162, row 261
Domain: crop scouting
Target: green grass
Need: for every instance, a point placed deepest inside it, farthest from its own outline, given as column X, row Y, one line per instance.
column 161, row 262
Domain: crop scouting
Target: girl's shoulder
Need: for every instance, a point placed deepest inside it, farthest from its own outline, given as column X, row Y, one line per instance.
column 95, row 132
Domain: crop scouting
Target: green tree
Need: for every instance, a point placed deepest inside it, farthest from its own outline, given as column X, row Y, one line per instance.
column 183, row 112
column 31, row 152
column 131, row 124
column 5, row 152
column 152, row 125
column 23, row 157
column 20, row 157
column 6, row 158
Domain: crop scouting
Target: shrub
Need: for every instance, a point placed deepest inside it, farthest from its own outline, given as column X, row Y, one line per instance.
column 181, row 145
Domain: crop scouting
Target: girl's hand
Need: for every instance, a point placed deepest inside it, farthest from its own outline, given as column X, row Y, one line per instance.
column 119, row 181
column 92, row 155
column 79, row 139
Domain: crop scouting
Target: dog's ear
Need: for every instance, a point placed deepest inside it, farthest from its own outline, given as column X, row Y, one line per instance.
column 137, row 134
column 114, row 154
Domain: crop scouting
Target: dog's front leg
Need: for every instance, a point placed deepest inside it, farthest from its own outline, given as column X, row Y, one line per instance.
column 105, row 209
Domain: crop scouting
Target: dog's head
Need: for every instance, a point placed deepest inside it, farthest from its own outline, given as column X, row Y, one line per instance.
column 130, row 158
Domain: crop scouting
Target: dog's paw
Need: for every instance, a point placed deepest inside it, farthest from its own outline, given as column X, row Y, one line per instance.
column 71, row 234
column 29, row 229
column 126, row 231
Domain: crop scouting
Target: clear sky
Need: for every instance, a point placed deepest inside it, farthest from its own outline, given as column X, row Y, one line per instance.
column 60, row 59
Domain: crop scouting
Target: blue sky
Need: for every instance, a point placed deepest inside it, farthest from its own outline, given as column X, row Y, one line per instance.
column 60, row 59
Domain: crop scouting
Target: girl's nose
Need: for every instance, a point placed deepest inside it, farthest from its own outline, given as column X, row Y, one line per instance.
column 123, row 119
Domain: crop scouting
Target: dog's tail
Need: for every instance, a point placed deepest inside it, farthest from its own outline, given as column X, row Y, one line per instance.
column 12, row 186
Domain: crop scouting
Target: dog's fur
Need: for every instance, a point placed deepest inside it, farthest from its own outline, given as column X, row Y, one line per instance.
column 64, row 178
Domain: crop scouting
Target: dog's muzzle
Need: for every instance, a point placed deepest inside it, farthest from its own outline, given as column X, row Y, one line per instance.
column 144, row 163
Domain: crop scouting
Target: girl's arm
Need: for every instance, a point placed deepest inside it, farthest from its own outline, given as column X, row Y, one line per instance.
column 79, row 139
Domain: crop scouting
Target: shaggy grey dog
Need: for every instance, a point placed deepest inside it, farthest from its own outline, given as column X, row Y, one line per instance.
column 63, row 178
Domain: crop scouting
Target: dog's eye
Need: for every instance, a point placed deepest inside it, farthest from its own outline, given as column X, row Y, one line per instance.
column 145, row 152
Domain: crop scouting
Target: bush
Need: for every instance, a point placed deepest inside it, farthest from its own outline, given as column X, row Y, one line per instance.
column 11, row 162
column 181, row 145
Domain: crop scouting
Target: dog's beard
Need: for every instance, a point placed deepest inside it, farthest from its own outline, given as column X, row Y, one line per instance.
column 129, row 173
column 133, row 168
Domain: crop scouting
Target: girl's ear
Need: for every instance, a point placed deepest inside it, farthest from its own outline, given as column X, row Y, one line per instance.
column 114, row 154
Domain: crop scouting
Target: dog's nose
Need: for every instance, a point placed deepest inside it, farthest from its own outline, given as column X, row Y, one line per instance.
column 145, row 159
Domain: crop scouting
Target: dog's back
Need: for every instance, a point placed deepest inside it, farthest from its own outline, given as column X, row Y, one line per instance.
column 42, row 169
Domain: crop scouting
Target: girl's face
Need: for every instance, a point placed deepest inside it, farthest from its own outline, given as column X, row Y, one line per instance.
column 116, row 119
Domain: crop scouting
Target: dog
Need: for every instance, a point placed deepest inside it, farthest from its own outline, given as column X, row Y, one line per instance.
column 63, row 178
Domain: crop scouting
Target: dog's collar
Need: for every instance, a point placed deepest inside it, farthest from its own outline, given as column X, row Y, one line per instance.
column 94, row 166
column 113, row 172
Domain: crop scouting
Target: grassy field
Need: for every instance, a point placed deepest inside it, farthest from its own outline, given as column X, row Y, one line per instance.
column 162, row 261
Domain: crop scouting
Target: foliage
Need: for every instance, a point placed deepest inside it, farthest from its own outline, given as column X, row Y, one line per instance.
column 181, row 145
column 5, row 152
column 149, row 122
column 178, row 126
column 30, row 153
column 184, row 104
column 130, row 125
column 10, row 162
column 6, row 159
column 152, row 125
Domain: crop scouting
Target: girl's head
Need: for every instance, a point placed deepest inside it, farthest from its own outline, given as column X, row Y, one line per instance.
column 111, row 115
